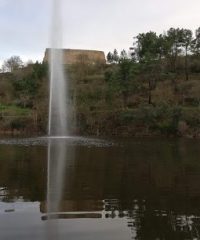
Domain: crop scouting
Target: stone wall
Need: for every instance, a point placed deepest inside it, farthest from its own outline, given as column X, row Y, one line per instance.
column 74, row 56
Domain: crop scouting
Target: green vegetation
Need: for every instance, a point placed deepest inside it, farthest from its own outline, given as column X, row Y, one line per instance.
column 14, row 110
column 14, row 118
column 23, row 99
column 154, row 89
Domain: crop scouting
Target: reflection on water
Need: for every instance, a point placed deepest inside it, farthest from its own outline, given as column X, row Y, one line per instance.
column 147, row 189
column 57, row 160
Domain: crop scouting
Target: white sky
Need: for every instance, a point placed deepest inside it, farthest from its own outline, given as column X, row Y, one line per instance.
column 88, row 24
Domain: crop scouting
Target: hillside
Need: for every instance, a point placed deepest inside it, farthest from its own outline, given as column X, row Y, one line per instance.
column 155, row 91
column 103, row 107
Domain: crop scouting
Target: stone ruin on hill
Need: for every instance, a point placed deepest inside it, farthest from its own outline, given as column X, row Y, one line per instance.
column 74, row 56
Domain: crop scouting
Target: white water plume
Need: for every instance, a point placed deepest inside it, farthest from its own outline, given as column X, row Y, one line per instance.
column 58, row 124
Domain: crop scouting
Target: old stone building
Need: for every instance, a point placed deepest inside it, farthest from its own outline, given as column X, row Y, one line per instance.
column 74, row 56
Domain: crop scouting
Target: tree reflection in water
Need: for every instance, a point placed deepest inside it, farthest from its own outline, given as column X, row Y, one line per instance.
column 152, row 186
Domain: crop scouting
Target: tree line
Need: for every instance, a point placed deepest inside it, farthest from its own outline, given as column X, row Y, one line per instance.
column 154, row 57
column 167, row 47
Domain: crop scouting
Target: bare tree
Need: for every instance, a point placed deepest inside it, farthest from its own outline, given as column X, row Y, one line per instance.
column 12, row 64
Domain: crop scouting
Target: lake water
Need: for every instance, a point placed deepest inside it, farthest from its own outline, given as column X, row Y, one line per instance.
column 128, row 189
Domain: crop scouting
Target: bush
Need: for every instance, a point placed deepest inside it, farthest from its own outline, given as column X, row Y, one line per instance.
column 162, row 118
column 192, row 117
column 195, row 66
column 18, row 124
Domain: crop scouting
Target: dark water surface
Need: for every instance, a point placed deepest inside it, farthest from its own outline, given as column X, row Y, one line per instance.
column 133, row 189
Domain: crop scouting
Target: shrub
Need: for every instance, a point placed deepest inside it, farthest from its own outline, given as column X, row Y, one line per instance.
column 17, row 124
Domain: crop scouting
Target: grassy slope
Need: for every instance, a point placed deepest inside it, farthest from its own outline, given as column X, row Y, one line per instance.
column 172, row 113
column 102, row 112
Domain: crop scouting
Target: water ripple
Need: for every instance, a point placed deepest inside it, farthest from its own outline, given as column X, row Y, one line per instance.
column 43, row 141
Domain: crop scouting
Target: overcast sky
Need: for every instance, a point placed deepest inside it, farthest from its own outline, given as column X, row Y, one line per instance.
column 88, row 24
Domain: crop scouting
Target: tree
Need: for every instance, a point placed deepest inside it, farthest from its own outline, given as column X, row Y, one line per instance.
column 186, row 42
column 109, row 57
column 12, row 64
column 115, row 56
column 123, row 55
column 196, row 43
column 149, row 49
column 163, row 47
column 146, row 47
column 173, row 39
column 124, row 78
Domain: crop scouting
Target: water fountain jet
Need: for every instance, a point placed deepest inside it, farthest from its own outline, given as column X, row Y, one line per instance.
column 58, row 118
